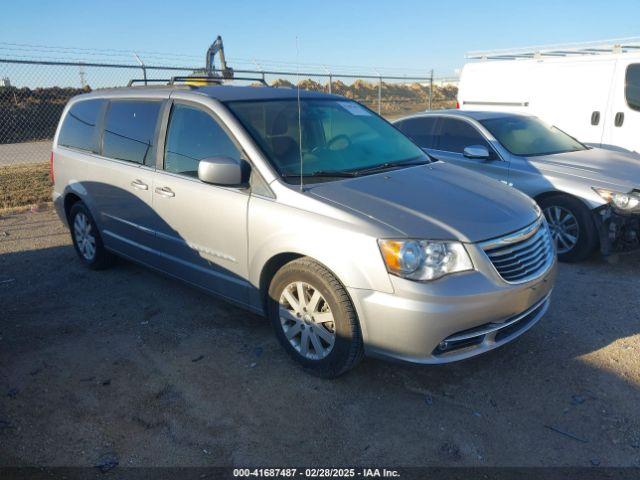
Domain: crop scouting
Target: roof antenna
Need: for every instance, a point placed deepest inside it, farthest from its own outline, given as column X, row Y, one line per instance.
column 299, row 112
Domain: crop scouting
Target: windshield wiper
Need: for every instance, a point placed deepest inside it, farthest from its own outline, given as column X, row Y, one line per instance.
column 390, row 165
column 356, row 173
column 322, row 173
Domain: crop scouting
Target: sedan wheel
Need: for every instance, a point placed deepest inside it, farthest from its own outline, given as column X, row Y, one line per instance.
column 307, row 321
column 564, row 227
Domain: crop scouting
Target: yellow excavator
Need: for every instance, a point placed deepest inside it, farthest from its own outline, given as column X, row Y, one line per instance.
column 210, row 75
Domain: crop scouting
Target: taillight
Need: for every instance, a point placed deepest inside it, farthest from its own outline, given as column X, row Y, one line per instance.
column 458, row 105
column 51, row 175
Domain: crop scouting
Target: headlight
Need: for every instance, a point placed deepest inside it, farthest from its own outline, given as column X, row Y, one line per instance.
column 424, row 259
column 624, row 202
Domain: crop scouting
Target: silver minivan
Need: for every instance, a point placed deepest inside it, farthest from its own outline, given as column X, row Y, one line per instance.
column 309, row 209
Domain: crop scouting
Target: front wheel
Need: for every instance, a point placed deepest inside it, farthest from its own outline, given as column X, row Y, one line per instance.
column 314, row 319
column 572, row 227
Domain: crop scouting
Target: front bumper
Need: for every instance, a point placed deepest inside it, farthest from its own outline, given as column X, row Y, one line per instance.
column 617, row 233
column 451, row 319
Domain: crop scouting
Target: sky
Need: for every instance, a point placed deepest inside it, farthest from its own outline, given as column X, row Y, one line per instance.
column 407, row 36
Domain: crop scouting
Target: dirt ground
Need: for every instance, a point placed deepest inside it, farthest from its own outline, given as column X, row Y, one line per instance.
column 22, row 185
column 128, row 365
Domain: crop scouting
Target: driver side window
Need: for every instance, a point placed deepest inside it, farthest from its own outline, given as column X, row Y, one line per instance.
column 455, row 135
column 193, row 135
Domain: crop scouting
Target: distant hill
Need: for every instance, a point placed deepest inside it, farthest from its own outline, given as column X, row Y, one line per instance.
column 32, row 114
column 397, row 98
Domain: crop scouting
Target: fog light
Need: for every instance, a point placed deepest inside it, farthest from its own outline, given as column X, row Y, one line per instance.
column 443, row 345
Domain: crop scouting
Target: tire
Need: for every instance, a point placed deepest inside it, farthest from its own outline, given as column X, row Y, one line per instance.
column 87, row 240
column 347, row 347
column 558, row 209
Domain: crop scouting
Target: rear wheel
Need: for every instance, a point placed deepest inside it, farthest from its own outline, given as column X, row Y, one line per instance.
column 314, row 318
column 571, row 226
column 87, row 240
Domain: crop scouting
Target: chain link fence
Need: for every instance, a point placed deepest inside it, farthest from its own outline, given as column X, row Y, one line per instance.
column 33, row 94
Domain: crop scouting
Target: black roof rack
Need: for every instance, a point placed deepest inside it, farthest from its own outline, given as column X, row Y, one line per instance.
column 194, row 78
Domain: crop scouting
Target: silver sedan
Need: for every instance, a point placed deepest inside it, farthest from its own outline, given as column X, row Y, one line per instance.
column 590, row 196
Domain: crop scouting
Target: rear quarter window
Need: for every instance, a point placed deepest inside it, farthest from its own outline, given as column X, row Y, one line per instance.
column 129, row 131
column 632, row 86
column 420, row 130
column 79, row 125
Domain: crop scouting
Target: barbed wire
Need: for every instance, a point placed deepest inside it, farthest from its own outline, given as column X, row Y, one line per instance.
column 53, row 53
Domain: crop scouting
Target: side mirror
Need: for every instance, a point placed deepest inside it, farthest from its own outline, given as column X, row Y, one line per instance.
column 223, row 171
column 478, row 152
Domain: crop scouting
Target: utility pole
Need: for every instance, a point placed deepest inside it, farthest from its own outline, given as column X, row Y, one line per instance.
column 379, row 92
column 83, row 82
column 430, row 88
column 330, row 79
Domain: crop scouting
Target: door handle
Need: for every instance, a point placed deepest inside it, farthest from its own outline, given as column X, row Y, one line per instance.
column 140, row 185
column 165, row 192
column 595, row 118
column 619, row 120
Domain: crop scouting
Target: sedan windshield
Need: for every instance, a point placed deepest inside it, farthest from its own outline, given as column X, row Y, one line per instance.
column 334, row 138
column 529, row 136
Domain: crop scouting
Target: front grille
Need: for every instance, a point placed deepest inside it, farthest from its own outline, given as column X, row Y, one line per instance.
column 522, row 255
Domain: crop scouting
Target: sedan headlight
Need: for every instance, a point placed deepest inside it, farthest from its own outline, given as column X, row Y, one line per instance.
column 424, row 259
column 623, row 202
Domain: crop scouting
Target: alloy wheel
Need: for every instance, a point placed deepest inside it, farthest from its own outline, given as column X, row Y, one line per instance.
column 85, row 240
column 307, row 321
column 564, row 228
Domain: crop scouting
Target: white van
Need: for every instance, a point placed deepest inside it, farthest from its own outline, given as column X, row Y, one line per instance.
column 591, row 91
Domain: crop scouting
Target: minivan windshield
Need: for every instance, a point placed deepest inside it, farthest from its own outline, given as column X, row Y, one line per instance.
column 335, row 138
column 529, row 136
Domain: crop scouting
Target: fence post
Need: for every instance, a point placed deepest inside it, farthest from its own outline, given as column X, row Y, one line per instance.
column 260, row 70
column 144, row 68
column 430, row 88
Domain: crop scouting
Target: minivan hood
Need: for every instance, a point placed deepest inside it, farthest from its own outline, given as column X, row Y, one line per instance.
column 438, row 201
column 596, row 164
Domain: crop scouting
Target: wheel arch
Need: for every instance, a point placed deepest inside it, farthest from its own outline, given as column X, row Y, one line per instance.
column 557, row 193
column 70, row 199
column 269, row 270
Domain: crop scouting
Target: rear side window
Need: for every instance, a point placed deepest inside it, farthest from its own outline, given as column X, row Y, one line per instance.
column 632, row 86
column 194, row 135
column 420, row 130
column 79, row 126
column 129, row 131
column 456, row 135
